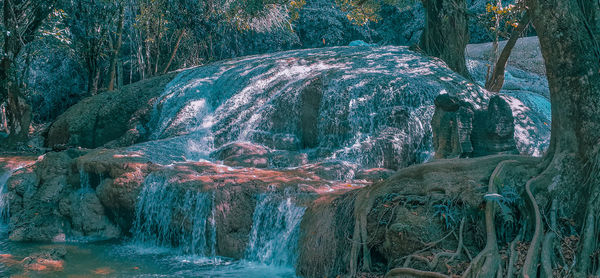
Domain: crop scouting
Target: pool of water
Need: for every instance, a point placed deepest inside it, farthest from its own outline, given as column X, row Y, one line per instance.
column 122, row 259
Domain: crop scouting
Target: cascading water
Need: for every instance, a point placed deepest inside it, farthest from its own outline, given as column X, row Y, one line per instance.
column 84, row 182
column 4, row 205
column 275, row 231
column 167, row 217
column 368, row 106
column 4, row 201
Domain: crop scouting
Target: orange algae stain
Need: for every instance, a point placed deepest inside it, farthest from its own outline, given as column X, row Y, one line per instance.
column 8, row 260
column 46, row 264
column 13, row 162
column 37, row 267
column 103, row 271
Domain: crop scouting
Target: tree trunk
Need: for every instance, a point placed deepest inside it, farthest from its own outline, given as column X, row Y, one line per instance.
column 568, row 31
column 496, row 80
column 174, row 51
column 569, row 174
column 116, row 49
column 572, row 59
column 157, row 58
column 148, row 63
column 446, row 32
column 17, row 122
column 18, row 116
column 17, row 113
column 92, row 76
column 21, row 19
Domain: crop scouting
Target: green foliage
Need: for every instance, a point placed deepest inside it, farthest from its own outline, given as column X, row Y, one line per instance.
column 508, row 201
column 361, row 12
column 500, row 19
column 56, row 28
column 448, row 213
column 262, row 15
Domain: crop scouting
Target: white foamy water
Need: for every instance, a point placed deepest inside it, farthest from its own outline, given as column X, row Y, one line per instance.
column 275, row 231
column 367, row 106
column 169, row 218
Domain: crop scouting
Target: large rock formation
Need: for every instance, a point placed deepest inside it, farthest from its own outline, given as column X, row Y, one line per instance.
column 225, row 146
column 368, row 106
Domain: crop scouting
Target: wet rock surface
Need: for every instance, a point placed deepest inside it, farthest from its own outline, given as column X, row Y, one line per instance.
column 283, row 135
column 367, row 106
column 48, row 203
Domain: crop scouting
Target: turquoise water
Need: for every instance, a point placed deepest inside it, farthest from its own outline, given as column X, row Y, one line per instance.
column 148, row 254
column 122, row 259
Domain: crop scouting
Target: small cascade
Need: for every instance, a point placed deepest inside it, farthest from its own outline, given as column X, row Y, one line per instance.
column 167, row 217
column 4, row 206
column 84, row 181
column 275, row 231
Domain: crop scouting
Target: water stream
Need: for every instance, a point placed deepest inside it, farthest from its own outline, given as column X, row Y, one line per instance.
column 4, row 206
column 167, row 217
column 275, row 231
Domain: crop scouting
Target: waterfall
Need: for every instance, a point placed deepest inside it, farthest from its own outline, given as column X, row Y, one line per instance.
column 275, row 231
column 4, row 205
column 333, row 105
column 84, row 181
column 168, row 217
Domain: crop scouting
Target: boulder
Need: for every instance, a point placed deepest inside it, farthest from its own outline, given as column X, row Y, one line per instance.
column 460, row 130
column 107, row 116
column 243, row 154
column 374, row 174
column 88, row 218
column 34, row 193
column 49, row 203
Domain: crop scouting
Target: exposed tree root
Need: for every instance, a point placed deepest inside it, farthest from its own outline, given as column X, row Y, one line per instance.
column 513, row 254
column 487, row 262
column 542, row 259
column 413, row 273
column 546, row 256
column 363, row 205
column 590, row 231
column 436, row 258
column 548, row 244
column 530, row 265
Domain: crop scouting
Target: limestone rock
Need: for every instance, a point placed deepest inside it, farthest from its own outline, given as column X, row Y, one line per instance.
column 459, row 130
column 48, row 203
column 102, row 118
